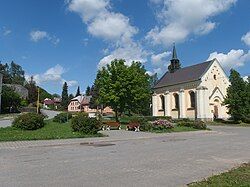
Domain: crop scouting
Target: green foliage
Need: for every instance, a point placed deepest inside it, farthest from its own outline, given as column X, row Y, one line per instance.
column 124, row 88
column 82, row 123
column 95, row 100
column 194, row 124
column 234, row 178
column 13, row 74
column 65, row 96
column 44, row 94
column 88, row 91
column 153, row 80
column 10, row 99
column 78, row 91
column 238, row 97
column 62, row 117
column 51, row 130
column 29, row 121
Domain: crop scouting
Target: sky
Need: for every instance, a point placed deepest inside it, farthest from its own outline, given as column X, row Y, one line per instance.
column 69, row 40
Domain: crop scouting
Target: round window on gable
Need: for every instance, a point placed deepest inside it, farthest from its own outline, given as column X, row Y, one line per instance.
column 215, row 77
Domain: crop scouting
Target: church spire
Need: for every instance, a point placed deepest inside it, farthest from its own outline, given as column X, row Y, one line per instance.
column 175, row 63
column 174, row 54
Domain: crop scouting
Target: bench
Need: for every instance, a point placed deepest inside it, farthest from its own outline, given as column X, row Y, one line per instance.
column 134, row 126
column 111, row 124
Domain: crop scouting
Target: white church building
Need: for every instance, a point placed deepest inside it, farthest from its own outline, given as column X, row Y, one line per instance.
column 195, row 92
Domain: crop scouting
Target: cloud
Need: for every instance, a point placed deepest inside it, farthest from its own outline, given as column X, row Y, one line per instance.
column 38, row 35
column 245, row 78
column 233, row 59
column 53, row 74
column 158, row 58
column 131, row 52
column 159, row 62
column 112, row 27
column 180, row 19
column 246, row 38
column 6, row 32
column 101, row 22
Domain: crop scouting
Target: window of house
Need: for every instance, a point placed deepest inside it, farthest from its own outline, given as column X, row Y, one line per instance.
column 215, row 77
column 176, row 101
column 162, row 102
column 192, row 99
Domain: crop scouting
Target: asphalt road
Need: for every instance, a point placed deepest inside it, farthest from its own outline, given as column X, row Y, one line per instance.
column 124, row 159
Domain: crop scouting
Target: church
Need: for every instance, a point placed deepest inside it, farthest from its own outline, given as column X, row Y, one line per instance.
column 195, row 92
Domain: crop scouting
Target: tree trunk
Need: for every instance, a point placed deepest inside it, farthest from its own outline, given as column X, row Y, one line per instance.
column 116, row 116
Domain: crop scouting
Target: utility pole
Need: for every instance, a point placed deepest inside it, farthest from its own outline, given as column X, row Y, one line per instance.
column 37, row 104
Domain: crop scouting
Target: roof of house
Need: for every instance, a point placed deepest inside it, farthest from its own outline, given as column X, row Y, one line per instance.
column 83, row 99
column 183, row 75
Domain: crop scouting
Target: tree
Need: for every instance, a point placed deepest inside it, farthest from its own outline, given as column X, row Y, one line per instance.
column 32, row 90
column 71, row 96
column 78, row 91
column 13, row 74
column 17, row 74
column 65, row 97
column 94, row 92
column 124, row 88
column 88, row 91
column 10, row 99
column 44, row 94
column 153, row 80
column 237, row 99
column 4, row 69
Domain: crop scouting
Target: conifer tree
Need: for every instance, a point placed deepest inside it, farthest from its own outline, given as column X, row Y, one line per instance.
column 78, row 91
column 65, row 96
column 237, row 97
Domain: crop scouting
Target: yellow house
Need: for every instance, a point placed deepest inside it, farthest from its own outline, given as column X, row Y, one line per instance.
column 195, row 92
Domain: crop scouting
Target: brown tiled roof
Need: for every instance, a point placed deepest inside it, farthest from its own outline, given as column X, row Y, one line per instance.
column 186, row 74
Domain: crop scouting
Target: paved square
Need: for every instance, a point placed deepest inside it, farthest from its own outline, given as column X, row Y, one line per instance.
column 124, row 158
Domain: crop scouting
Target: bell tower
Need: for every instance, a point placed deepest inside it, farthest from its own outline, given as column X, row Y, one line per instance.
column 174, row 62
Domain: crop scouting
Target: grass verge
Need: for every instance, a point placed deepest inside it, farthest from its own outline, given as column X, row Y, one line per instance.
column 230, row 125
column 236, row 177
column 51, row 130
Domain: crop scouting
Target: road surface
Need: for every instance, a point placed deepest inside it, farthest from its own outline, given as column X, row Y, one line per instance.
column 124, row 158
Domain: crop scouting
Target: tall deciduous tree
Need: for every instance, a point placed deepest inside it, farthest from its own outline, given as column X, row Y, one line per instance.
column 237, row 97
column 78, row 91
column 17, row 73
column 124, row 88
column 65, row 96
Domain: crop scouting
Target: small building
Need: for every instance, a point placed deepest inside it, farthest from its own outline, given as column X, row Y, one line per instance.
column 81, row 103
column 51, row 103
column 195, row 92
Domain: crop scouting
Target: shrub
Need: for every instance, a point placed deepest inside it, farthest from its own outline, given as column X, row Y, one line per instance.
column 62, row 117
column 29, row 121
column 193, row 124
column 162, row 125
column 82, row 123
column 144, row 124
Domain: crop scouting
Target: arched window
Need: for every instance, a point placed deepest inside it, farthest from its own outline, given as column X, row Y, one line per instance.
column 176, row 101
column 162, row 102
column 192, row 99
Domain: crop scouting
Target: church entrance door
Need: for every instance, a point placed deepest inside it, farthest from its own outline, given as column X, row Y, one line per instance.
column 216, row 113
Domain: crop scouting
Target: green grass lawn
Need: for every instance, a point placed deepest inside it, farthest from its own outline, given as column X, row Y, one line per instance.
column 51, row 130
column 176, row 129
column 230, row 125
column 234, row 178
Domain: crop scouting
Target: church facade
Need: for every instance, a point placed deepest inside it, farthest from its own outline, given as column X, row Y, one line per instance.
column 195, row 92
